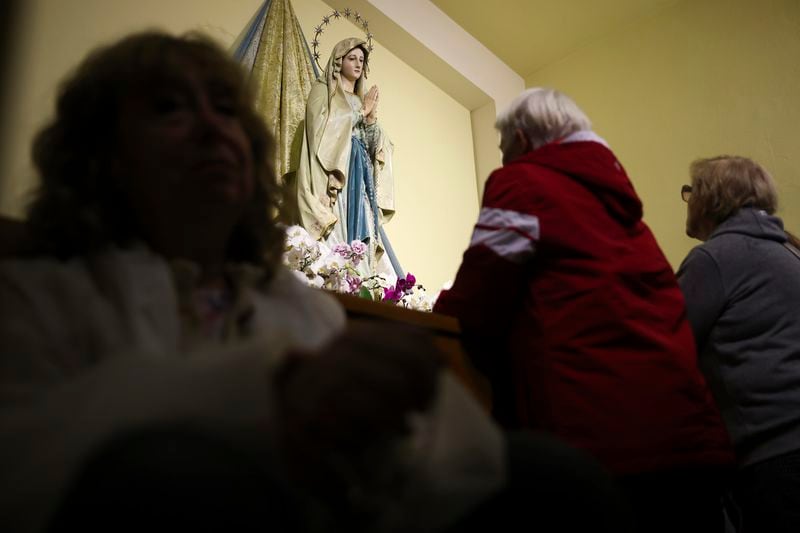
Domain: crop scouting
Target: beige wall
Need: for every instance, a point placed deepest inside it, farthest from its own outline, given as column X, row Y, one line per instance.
column 703, row 78
column 434, row 165
column 486, row 141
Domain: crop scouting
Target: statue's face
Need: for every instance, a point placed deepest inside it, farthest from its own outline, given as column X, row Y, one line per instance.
column 353, row 64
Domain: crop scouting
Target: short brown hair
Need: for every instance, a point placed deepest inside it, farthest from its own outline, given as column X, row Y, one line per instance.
column 78, row 208
column 722, row 185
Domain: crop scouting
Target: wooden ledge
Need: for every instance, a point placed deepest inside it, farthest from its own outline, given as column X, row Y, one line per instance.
column 439, row 324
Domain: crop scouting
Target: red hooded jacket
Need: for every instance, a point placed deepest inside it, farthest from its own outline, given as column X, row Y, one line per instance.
column 586, row 321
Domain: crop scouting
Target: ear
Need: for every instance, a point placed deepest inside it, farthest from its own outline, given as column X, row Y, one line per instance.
column 522, row 141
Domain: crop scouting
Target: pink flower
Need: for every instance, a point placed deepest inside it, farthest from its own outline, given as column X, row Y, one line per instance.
column 342, row 250
column 358, row 248
column 407, row 283
column 390, row 294
column 353, row 284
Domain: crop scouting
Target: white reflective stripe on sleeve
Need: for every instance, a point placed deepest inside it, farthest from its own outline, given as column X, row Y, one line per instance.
column 506, row 243
column 510, row 234
column 492, row 217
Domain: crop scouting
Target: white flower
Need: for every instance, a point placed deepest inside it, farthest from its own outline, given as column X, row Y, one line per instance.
column 317, row 265
column 334, row 279
column 301, row 250
column 418, row 299
column 295, row 232
column 330, row 263
column 293, row 258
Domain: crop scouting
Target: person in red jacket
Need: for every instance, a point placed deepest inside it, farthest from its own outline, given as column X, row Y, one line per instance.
column 580, row 320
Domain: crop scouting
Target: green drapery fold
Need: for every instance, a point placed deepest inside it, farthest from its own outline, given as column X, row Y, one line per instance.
column 281, row 72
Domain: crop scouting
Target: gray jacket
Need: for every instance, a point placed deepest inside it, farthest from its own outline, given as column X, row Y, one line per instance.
column 742, row 290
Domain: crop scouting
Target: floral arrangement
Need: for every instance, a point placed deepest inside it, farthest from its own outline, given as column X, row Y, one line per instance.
column 336, row 269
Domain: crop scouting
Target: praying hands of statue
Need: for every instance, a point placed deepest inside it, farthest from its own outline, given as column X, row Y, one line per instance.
column 370, row 109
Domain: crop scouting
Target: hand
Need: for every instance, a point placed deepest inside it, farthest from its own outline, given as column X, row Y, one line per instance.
column 353, row 396
column 335, row 186
column 370, row 108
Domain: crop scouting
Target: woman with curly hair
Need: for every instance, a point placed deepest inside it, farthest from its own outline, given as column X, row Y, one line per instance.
column 152, row 295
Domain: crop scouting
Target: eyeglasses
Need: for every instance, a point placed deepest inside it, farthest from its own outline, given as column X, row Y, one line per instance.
column 686, row 192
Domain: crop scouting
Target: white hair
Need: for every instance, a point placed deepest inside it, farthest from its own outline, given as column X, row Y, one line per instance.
column 543, row 115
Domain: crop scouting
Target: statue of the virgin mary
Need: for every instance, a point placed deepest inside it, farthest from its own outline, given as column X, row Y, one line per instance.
column 343, row 190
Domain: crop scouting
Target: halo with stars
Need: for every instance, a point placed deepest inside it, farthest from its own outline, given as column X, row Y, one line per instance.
column 339, row 14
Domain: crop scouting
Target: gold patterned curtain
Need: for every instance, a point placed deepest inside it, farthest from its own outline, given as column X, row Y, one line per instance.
column 274, row 48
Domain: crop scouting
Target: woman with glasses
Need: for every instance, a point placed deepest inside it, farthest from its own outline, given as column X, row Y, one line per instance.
column 742, row 290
